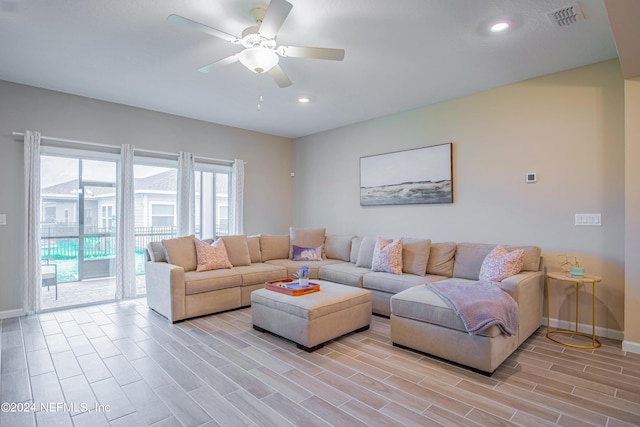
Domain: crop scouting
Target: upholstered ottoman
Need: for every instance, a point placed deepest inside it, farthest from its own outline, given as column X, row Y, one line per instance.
column 313, row 319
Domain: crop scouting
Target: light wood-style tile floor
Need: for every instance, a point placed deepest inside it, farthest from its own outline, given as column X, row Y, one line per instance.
column 120, row 364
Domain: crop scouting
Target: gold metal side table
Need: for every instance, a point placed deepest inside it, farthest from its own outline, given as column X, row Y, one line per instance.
column 567, row 278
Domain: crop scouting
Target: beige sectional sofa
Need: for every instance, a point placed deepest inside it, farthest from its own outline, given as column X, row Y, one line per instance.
column 177, row 291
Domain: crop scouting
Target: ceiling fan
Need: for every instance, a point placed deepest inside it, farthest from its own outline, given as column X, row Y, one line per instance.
column 261, row 52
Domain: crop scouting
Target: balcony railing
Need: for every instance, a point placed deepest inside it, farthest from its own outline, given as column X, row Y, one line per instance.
column 59, row 244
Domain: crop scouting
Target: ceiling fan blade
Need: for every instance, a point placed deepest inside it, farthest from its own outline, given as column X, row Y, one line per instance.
column 312, row 52
column 274, row 17
column 279, row 76
column 220, row 63
column 186, row 22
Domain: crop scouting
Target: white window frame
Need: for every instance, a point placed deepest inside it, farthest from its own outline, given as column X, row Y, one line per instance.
column 215, row 169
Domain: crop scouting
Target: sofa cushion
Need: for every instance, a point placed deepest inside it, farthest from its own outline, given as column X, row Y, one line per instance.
column 274, row 247
column 211, row 256
column 422, row 304
column 338, row 247
column 415, row 255
column 500, row 264
column 294, row 266
column 469, row 258
column 181, row 251
column 196, row 282
column 392, row 283
column 365, row 253
column 237, row 249
column 305, row 238
column 254, row 248
column 345, row 273
column 441, row 256
column 259, row 273
column 531, row 261
column 156, row 252
column 356, row 242
column 387, row 256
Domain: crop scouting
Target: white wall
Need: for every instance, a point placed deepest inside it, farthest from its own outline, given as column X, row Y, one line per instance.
column 632, row 206
column 568, row 127
column 268, row 187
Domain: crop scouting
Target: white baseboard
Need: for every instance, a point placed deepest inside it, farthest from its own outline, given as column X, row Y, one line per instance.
column 8, row 314
column 584, row 328
column 633, row 347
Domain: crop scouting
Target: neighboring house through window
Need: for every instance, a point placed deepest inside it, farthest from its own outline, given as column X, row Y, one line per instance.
column 162, row 215
column 50, row 213
column 107, row 216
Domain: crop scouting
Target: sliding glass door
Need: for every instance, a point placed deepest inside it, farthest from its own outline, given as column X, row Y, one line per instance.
column 97, row 228
column 78, row 219
column 77, row 229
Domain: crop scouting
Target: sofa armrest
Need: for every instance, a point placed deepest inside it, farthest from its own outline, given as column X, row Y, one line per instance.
column 166, row 289
column 527, row 289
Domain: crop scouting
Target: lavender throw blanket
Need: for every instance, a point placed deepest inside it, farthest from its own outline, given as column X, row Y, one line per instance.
column 480, row 305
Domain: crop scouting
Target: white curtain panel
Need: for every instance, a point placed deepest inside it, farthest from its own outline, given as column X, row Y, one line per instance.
column 186, row 194
column 125, row 227
column 32, row 272
column 236, row 214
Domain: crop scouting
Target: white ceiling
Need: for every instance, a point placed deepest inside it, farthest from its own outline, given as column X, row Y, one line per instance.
column 399, row 55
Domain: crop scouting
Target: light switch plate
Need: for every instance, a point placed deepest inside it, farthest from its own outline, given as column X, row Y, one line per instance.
column 3, row 219
column 590, row 220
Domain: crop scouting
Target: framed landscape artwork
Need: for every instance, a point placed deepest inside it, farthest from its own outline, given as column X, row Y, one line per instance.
column 410, row 177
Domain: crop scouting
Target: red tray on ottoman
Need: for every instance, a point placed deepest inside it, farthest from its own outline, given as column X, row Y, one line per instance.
column 291, row 287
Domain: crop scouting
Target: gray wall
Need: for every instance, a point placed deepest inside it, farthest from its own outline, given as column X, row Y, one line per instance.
column 268, row 186
column 568, row 127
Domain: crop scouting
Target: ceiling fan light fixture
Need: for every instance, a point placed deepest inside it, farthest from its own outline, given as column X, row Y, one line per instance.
column 258, row 59
column 500, row 26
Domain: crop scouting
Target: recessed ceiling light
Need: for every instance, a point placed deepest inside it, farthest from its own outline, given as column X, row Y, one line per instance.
column 499, row 27
column 303, row 99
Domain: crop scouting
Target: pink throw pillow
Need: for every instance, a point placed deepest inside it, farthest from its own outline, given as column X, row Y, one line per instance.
column 211, row 257
column 387, row 256
column 500, row 264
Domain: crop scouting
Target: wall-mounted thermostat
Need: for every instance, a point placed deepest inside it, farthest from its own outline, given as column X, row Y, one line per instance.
column 531, row 177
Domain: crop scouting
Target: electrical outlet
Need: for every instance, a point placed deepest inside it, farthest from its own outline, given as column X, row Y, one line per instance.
column 590, row 220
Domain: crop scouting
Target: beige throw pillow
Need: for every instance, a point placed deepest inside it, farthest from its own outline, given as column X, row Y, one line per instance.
column 237, row 250
column 274, row 247
column 181, row 251
column 355, row 248
column 415, row 255
column 469, row 258
column 337, row 247
column 441, row 256
column 156, row 252
column 254, row 248
column 365, row 253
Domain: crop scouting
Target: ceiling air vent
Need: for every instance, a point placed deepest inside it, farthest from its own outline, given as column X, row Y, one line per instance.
column 566, row 16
